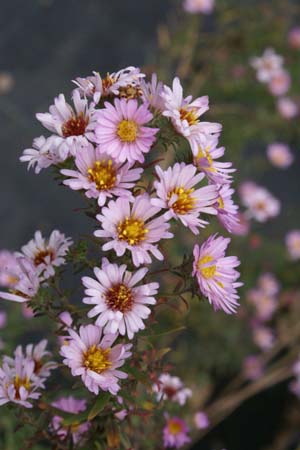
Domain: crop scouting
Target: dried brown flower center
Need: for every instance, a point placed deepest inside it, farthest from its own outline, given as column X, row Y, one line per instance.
column 119, row 298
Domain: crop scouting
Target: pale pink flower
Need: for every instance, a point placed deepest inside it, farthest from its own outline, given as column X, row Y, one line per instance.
column 74, row 406
column 294, row 37
column 26, row 284
column 280, row 83
column 268, row 65
column 9, row 269
column 152, row 93
column 27, row 312
column 292, row 241
column 175, row 433
column 121, row 131
column 261, row 204
column 131, row 227
column 176, row 191
column 265, row 305
column 269, row 284
column 114, row 84
column 185, row 113
column 253, row 367
column 227, row 210
column 287, row 107
column 263, row 336
column 46, row 254
column 216, row 273
column 38, row 355
column 101, row 176
column 119, row 302
column 199, row 6
column 280, row 155
column 18, row 382
column 242, row 227
column 45, row 152
column 205, row 160
column 91, row 356
column 171, row 388
column 73, row 125
column 201, row 420
column 66, row 318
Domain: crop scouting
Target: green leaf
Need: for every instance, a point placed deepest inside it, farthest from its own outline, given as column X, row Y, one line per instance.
column 100, row 403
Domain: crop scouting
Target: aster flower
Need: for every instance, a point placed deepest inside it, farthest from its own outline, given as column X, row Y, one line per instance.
column 101, row 176
column 175, row 433
column 294, row 37
column 152, row 93
column 91, row 356
column 73, row 125
column 121, row 131
column 287, row 107
column 205, row 160
column 280, row 155
column 45, row 152
column 46, row 254
column 74, row 406
column 199, row 6
column 227, row 210
column 263, row 336
column 184, row 114
column 171, row 388
column 201, row 420
column 175, row 191
column 27, row 282
column 90, row 86
column 127, row 226
column 9, row 269
column 265, row 305
column 216, row 273
column 280, row 83
column 18, row 383
column 292, row 241
column 269, row 284
column 268, row 65
column 119, row 302
column 261, row 204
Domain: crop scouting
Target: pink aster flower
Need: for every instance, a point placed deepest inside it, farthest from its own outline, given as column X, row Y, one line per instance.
column 269, row 284
column 131, row 227
column 152, row 93
column 201, row 420
column 74, row 406
column 119, row 302
column 73, row 125
column 38, row 355
column 18, row 383
column 268, row 65
column 26, row 284
column 294, row 37
column 9, row 269
column 216, row 273
column 199, row 6
column 280, row 155
column 253, row 367
column 287, row 107
column 292, row 241
column 185, row 112
column 171, row 388
column 227, row 210
column 121, row 131
column 175, row 190
column 261, row 204
column 46, row 254
column 100, row 175
column 91, row 356
column 205, row 160
column 263, row 336
column 265, row 305
column 280, row 83
column 175, row 433
column 45, row 152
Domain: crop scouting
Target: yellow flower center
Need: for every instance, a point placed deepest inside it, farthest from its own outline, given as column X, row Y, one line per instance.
column 41, row 256
column 220, row 203
column 127, row 131
column 189, row 115
column 174, row 427
column 185, row 202
column 21, row 382
column 97, row 359
column 119, row 298
column 207, row 272
column 103, row 174
column 130, row 92
column 204, row 153
column 132, row 230
column 75, row 126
